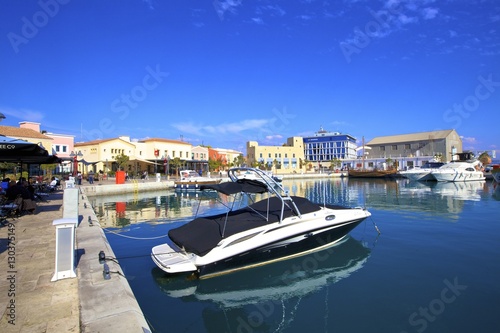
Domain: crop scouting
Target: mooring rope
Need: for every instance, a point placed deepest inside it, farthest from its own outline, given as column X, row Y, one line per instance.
column 131, row 237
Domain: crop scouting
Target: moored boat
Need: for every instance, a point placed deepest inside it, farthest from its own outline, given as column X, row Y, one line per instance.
column 191, row 180
column 462, row 170
column 422, row 173
column 277, row 227
column 372, row 173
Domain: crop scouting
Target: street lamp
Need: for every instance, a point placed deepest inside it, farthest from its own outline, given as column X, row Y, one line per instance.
column 75, row 160
column 168, row 169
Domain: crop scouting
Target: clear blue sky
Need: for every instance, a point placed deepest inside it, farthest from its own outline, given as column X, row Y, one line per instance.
column 221, row 73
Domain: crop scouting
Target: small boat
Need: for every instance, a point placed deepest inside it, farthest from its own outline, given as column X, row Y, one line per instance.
column 422, row 173
column 277, row 227
column 461, row 170
column 251, row 175
column 372, row 173
column 191, row 180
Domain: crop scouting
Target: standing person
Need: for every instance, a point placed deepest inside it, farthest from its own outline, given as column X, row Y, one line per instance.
column 79, row 178
column 90, row 177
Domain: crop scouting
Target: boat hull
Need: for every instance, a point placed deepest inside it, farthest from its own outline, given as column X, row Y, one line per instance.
column 419, row 176
column 192, row 185
column 372, row 174
column 283, row 249
column 457, row 176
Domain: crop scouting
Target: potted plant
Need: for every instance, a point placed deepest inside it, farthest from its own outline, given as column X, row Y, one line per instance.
column 122, row 161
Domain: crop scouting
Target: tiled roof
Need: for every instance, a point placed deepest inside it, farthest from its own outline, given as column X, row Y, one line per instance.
column 17, row 132
column 165, row 140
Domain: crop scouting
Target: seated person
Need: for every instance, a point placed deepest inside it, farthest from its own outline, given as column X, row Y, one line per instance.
column 53, row 184
column 20, row 189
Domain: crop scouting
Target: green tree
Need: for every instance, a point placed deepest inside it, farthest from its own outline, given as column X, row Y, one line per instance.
column 214, row 164
column 239, row 160
column 485, row 158
column 121, row 160
column 335, row 163
column 176, row 163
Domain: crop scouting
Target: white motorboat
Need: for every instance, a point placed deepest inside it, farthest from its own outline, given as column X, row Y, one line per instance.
column 459, row 171
column 191, row 180
column 422, row 173
column 253, row 176
column 275, row 228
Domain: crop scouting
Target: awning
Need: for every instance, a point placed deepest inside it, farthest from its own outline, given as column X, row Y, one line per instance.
column 19, row 151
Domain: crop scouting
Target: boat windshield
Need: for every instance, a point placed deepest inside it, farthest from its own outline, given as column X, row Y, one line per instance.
column 432, row 165
column 189, row 174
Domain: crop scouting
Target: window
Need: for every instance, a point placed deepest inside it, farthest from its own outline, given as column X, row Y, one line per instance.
column 382, row 148
column 394, row 147
column 407, row 146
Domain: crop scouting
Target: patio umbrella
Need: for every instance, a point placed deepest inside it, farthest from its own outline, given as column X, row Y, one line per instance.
column 19, row 151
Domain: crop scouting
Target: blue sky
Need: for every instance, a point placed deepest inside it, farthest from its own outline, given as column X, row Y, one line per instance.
column 223, row 72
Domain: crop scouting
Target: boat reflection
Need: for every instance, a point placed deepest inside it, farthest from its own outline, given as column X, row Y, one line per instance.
column 238, row 295
column 460, row 190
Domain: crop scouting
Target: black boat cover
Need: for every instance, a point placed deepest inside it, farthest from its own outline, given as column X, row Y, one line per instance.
column 202, row 234
column 241, row 185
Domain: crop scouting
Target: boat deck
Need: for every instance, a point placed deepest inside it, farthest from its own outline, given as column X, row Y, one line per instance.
column 204, row 233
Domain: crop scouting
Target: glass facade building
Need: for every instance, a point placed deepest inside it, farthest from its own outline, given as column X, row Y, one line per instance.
column 325, row 146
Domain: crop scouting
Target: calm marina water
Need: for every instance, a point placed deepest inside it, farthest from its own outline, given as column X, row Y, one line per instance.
column 435, row 267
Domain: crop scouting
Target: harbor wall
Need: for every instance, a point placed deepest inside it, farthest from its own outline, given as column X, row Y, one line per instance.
column 107, row 303
column 138, row 186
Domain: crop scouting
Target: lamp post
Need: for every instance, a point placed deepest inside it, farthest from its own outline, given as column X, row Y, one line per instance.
column 168, row 167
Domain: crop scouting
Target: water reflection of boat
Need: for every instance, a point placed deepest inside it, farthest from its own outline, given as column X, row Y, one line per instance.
column 460, row 190
column 297, row 277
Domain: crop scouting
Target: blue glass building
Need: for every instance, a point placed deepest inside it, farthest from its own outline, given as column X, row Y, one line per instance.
column 325, row 146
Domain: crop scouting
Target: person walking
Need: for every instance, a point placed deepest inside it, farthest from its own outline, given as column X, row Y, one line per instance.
column 90, row 177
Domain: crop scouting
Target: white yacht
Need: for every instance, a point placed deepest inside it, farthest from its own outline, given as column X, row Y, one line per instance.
column 422, row 173
column 463, row 170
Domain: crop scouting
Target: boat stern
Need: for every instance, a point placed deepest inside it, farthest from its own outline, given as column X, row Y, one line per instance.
column 172, row 261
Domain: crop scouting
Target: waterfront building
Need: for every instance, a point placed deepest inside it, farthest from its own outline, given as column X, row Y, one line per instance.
column 287, row 158
column 152, row 155
column 415, row 149
column 230, row 156
column 30, row 132
column 325, row 146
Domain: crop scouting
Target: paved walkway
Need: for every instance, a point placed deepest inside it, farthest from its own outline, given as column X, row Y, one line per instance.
column 29, row 301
